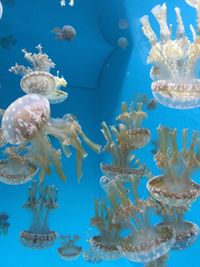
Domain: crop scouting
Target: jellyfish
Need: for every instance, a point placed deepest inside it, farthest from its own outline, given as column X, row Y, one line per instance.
column 186, row 231
column 175, row 187
column 4, row 224
column 14, row 170
column 122, row 42
column 63, row 2
column 69, row 250
column 175, row 60
column 128, row 136
column 123, row 24
column 104, row 245
column 67, row 33
column 27, row 122
column 41, row 201
column 38, row 79
column 144, row 242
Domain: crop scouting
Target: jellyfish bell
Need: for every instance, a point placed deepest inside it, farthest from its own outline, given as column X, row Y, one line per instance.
column 38, row 240
column 25, row 118
column 148, row 246
column 179, row 194
column 139, row 137
column 69, row 250
column 44, row 83
column 186, row 234
column 113, row 171
column 106, row 248
column 15, row 172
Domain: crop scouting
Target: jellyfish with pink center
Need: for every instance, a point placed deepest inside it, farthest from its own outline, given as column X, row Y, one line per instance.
column 27, row 122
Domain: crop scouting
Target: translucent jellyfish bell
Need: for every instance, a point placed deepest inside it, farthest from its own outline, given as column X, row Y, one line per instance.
column 38, row 79
column 13, row 171
column 69, row 250
column 148, row 246
column 174, row 72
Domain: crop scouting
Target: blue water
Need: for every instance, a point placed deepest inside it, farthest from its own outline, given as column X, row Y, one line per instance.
column 100, row 76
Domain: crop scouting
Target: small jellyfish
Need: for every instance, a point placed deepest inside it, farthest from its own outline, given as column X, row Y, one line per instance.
column 63, row 2
column 8, row 41
column 4, row 224
column 123, row 24
column 175, row 187
column 122, row 42
column 69, row 250
column 38, row 79
column 67, row 33
column 27, row 122
column 41, row 201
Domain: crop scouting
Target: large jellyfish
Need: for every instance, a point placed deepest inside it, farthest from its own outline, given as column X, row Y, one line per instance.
column 27, row 122
column 69, row 250
column 175, row 187
column 174, row 72
column 128, row 136
column 41, row 201
column 38, row 79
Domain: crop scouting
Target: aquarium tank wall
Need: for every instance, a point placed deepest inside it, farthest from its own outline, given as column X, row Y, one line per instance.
column 99, row 133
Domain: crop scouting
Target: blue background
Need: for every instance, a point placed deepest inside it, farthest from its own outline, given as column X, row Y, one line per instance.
column 100, row 76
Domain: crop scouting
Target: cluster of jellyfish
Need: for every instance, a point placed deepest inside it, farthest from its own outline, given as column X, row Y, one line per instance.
column 27, row 148
column 124, row 218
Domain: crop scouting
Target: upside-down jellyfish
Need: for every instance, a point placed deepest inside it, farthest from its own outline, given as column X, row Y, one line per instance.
column 175, row 187
column 27, row 121
column 69, row 250
column 67, row 33
column 41, row 201
column 38, row 79
column 174, row 72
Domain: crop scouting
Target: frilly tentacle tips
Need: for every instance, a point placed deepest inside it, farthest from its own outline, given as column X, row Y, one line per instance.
column 175, row 82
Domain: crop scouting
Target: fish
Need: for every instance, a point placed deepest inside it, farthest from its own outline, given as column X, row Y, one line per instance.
column 8, row 41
